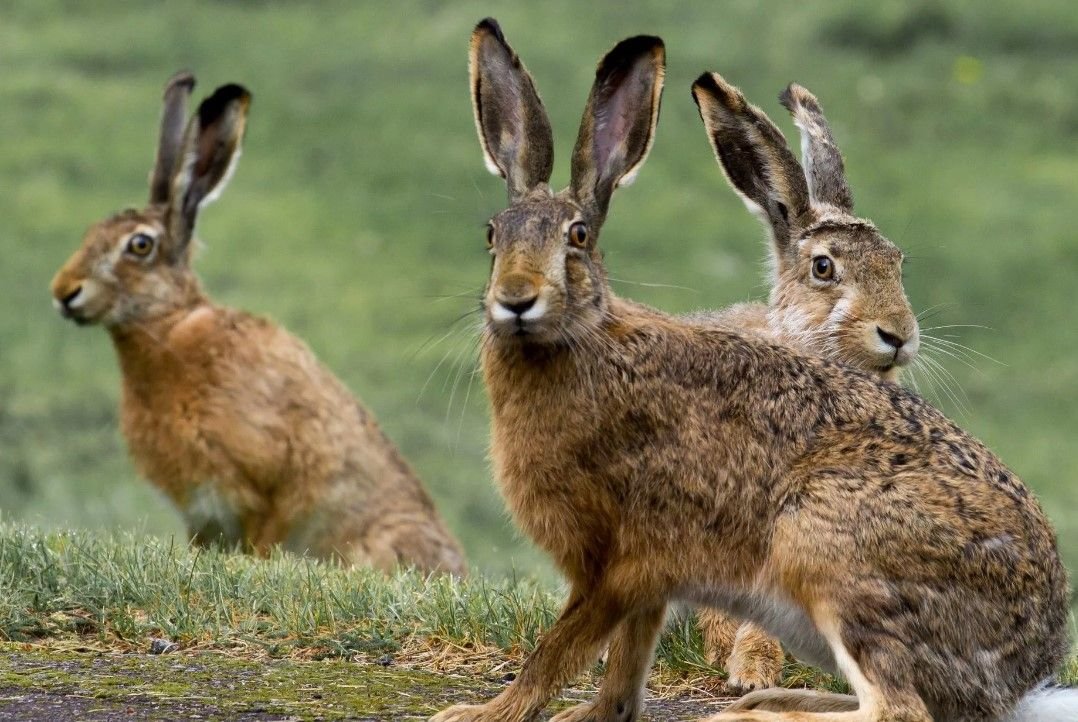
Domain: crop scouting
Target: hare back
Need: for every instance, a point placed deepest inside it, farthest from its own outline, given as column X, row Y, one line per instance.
column 218, row 394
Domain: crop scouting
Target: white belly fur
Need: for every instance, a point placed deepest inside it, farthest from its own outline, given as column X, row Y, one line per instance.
column 212, row 516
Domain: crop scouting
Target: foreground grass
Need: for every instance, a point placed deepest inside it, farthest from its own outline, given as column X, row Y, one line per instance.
column 125, row 593
column 120, row 592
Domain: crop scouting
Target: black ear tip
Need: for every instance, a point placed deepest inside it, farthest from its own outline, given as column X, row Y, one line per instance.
column 631, row 48
column 704, row 81
column 490, row 25
column 215, row 105
column 184, row 79
column 629, row 51
column 715, row 85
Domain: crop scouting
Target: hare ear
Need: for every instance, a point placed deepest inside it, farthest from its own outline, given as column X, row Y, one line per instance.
column 824, row 169
column 513, row 127
column 755, row 159
column 210, row 150
column 618, row 127
column 177, row 90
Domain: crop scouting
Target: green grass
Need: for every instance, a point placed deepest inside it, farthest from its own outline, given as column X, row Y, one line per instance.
column 119, row 591
column 357, row 211
column 122, row 590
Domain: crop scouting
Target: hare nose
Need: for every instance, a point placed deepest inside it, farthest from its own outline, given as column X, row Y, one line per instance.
column 890, row 339
column 70, row 297
column 519, row 306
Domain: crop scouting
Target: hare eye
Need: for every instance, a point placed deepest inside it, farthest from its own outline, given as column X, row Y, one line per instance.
column 823, row 268
column 140, row 245
column 578, row 234
column 490, row 236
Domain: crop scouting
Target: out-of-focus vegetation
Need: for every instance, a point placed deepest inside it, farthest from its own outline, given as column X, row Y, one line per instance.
column 356, row 216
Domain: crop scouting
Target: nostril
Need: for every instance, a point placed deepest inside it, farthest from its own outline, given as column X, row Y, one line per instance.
column 71, row 296
column 889, row 338
column 520, row 305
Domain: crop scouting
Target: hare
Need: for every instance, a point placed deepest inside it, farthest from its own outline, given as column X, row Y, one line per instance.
column 657, row 459
column 835, row 291
column 234, row 419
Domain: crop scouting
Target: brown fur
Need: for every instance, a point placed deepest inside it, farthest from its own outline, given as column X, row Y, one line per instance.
column 233, row 418
column 844, row 319
column 660, row 460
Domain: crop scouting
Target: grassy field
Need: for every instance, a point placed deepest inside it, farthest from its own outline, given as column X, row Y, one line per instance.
column 356, row 215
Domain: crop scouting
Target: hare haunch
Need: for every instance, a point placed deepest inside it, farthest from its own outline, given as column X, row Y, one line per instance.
column 660, row 460
column 233, row 418
column 836, row 288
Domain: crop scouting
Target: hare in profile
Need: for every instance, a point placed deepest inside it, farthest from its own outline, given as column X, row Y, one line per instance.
column 235, row 420
column 657, row 459
column 836, row 291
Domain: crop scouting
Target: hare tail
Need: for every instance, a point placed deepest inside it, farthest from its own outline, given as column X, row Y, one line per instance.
column 1049, row 702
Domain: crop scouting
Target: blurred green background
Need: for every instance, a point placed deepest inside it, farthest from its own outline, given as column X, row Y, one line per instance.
column 356, row 216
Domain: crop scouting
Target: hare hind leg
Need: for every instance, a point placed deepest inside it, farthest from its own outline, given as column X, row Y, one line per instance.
column 873, row 702
column 794, row 700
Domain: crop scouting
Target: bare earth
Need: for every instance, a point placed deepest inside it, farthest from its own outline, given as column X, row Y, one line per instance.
column 60, row 686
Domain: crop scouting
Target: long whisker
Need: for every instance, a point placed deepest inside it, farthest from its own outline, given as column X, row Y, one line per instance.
column 653, row 285
column 962, row 348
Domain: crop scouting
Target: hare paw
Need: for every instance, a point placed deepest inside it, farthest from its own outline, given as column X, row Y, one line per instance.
column 597, row 711
column 467, row 713
column 754, row 666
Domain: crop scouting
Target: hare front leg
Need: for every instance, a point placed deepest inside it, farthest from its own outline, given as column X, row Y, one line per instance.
column 752, row 658
column 755, row 661
column 719, row 632
column 621, row 693
column 573, row 642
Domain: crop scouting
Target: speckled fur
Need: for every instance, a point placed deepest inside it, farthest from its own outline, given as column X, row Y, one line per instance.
column 838, row 318
column 658, row 460
column 233, row 418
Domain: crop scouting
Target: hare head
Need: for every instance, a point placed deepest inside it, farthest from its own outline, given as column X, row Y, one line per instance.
column 134, row 267
column 547, row 282
column 837, row 282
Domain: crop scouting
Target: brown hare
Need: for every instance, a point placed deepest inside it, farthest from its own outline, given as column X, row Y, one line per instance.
column 656, row 459
column 836, row 291
column 234, row 419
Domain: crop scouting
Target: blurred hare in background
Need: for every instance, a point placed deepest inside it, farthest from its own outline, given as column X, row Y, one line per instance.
column 234, row 419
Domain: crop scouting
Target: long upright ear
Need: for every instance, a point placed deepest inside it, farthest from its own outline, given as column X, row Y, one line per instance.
column 823, row 162
column 210, row 150
column 513, row 126
column 755, row 158
column 618, row 127
column 173, row 115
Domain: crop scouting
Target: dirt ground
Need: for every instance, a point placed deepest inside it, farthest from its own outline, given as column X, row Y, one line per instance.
column 61, row 686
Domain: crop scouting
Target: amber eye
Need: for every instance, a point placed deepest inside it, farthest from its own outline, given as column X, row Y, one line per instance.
column 490, row 236
column 578, row 234
column 140, row 245
column 823, row 268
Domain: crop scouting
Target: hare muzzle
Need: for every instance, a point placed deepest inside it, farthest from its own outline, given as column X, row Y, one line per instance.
column 516, row 303
column 75, row 299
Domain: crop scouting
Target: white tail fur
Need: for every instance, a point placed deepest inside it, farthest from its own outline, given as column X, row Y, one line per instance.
column 1047, row 703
